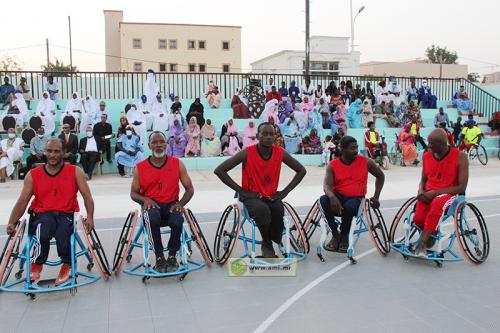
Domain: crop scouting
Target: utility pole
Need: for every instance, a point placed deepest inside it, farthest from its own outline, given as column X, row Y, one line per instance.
column 48, row 57
column 70, row 47
column 307, row 40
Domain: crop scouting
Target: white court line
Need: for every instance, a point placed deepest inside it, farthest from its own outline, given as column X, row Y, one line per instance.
column 289, row 302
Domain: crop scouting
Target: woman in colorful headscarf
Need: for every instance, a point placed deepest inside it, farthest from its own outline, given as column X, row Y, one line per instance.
column 338, row 119
column 284, row 110
column 316, row 122
column 210, row 143
column 408, row 146
column 354, row 115
column 291, row 135
column 230, row 140
column 196, row 110
column 250, row 134
column 176, row 143
column 193, row 136
column 306, row 105
column 311, row 144
column 367, row 113
column 214, row 98
column 240, row 109
column 271, row 111
column 46, row 109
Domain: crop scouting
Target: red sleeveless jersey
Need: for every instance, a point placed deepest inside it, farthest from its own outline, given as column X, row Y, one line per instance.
column 160, row 184
column 259, row 175
column 350, row 180
column 54, row 193
column 441, row 173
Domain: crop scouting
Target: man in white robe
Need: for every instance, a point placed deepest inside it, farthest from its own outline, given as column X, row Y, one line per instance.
column 151, row 88
column 74, row 109
column 46, row 110
column 145, row 108
column 160, row 113
column 10, row 152
column 137, row 120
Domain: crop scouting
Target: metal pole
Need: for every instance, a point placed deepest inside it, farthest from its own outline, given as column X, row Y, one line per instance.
column 352, row 29
column 48, row 58
column 70, row 47
column 307, row 39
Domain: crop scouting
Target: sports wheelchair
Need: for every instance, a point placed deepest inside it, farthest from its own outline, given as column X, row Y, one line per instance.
column 467, row 228
column 231, row 228
column 90, row 248
column 369, row 219
column 128, row 241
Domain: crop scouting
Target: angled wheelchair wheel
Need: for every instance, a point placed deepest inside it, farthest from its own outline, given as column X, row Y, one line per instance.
column 198, row 237
column 227, row 233
column 298, row 237
column 393, row 155
column 384, row 162
column 472, row 233
column 482, row 156
column 96, row 250
column 11, row 252
column 311, row 222
column 376, row 225
column 396, row 233
column 124, row 241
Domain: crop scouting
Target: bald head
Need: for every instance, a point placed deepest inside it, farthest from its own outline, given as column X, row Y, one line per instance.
column 55, row 142
column 438, row 141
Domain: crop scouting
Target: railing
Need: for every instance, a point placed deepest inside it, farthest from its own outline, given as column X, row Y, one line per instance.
column 129, row 85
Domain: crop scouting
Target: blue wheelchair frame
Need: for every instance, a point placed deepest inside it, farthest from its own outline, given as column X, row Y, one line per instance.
column 30, row 288
column 146, row 270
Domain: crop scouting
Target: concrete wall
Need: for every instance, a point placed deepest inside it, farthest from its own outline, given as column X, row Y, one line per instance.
column 413, row 69
column 327, row 44
column 112, row 19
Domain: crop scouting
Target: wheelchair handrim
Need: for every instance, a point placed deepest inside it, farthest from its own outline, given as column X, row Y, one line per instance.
column 464, row 246
column 299, row 228
column 16, row 242
column 380, row 244
column 200, row 240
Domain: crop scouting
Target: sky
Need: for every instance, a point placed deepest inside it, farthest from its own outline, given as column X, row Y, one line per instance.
column 387, row 30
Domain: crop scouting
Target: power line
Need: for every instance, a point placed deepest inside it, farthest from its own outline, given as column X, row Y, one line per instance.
column 21, row 47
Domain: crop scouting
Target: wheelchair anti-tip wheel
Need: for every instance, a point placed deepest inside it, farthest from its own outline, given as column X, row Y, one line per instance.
column 198, row 237
column 311, row 222
column 96, row 250
column 10, row 252
column 227, row 233
column 124, row 241
column 298, row 238
column 472, row 233
column 376, row 226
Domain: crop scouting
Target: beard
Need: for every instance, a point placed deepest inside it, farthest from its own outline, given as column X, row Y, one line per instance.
column 158, row 154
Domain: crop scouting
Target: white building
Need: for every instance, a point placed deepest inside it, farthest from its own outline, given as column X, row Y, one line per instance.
column 492, row 78
column 329, row 56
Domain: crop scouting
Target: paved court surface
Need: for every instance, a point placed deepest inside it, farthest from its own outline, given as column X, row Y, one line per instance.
column 379, row 294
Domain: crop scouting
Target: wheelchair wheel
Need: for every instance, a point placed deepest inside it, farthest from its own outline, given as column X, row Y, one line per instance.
column 298, row 238
column 96, row 250
column 384, row 162
column 376, row 225
column 198, row 237
column 393, row 156
column 227, row 233
column 394, row 234
column 472, row 233
column 10, row 252
column 124, row 241
column 482, row 156
column 311, row 221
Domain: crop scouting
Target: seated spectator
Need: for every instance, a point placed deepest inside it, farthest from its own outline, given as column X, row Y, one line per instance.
column 273, row 94
column 300, row 117
column 411, row 92
column 294, row 92
column 307, row 90
column 271, row 111
column 367, row 113
column 291, row 135
column 426, row 97
column 160, row 115
column 336, row 141
column 100, row 111
column 70, row 144
column 355, row 114
column 268, row 87
column 210, row 143
column 349, row 91
column 331, row 89
column 414, row 111
column 471, row 136
column 73, row 108
column 135, row 118
column 318, row 94
column 285, row 109
column 37, row 149
column 382, row 93
column 441, row 117
column 11, row 151
column 19, row 104
column 461, row 100
column 90, row 152
column 335, row 99
column 176, row 104
column 457, row 129
column 343, row 91
column 214, row 98
column 129, row 149
column 415, row 130
column 372, row 140
column 193, row 138
column 390, row 115
column 402, row 113
column 53, row 88
column 306, row 105
column 46, row 110
column 123, row 126
column 24, row 88
column 176, row 143
column 357, row 93
column 250, row 134
column 104, row 132
column 145, row 107
column 367, row 92
column 408, row 146
column 451, row 141
column 278, row 138
column 316, row 122
column 283, row 90
column 324, row 110
column 89, row 110
column 311, row 144
column 338, row 119
column 6, row 90
column 230, row 139
column 494, row 122
column 328, row 148
column 210, row 88
column 196, row 110
column 395, row 92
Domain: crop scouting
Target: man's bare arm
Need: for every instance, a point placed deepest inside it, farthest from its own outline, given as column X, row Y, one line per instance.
column 21, row 204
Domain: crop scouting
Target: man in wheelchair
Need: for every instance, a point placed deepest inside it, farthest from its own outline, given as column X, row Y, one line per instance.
column 261, row 167
column 373, row 143
column 155, row 186
column 445, row 173
column 55, row 186
column 345, row 185
column 471, row 136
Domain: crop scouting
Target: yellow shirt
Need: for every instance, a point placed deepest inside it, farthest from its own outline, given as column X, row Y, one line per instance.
column 373, row 137
column 471, row 135
column 414, row 129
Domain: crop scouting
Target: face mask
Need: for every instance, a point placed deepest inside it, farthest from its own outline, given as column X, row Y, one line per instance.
column 40, row 136
column 89, row 134
column 12, row 135
column 129, row 133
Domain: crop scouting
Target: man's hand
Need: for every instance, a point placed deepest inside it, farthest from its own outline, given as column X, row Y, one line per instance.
column 89, row 224
column 149, row 204
column 279, row 196
column 11, row 229
column 176, row 208
column 427, row 197
column 336, row 206
column 374, row 202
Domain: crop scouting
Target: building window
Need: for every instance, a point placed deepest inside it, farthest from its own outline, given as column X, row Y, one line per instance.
column 162, row 44
column 137, row 66
column 163, row 67
column 323, row 69
column 225, row 46
column 202, row 44
column 137, row 43
column 191, row 44
column 173, row 67
column 172, row 43
column 226, row 68
column 202, row 68
column 192, row 67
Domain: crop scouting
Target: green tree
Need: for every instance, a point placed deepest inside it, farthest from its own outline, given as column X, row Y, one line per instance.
column 440, row 55
column 473, row 77
column 59, row 68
